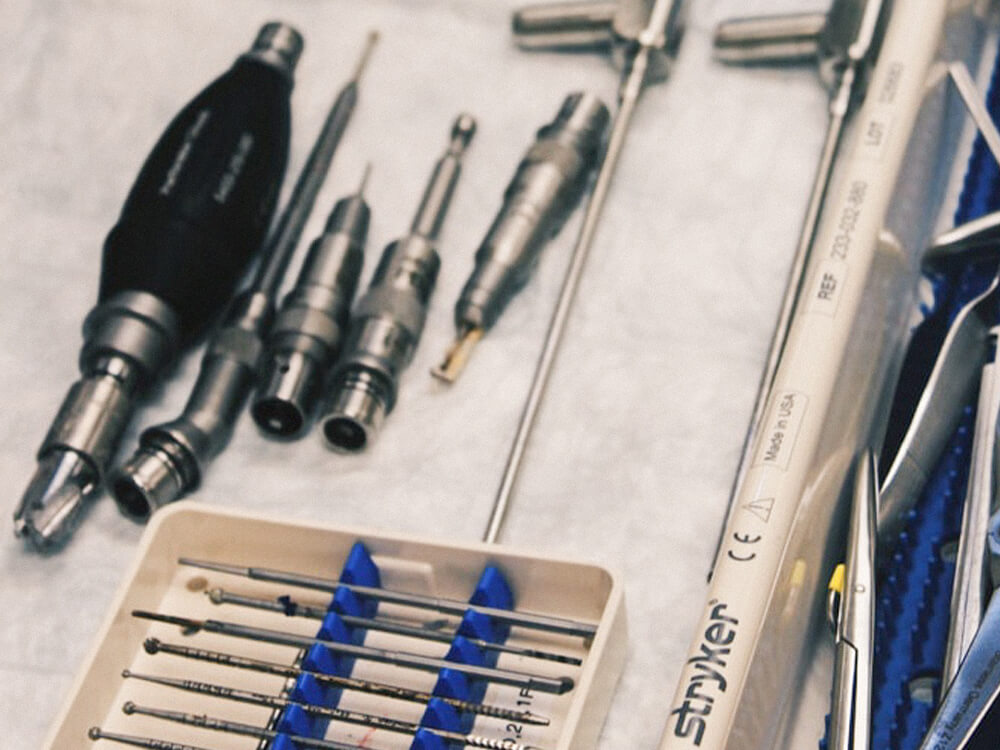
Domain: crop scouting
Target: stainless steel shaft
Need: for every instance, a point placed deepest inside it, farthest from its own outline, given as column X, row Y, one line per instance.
column 541, row 683
column 381, row 689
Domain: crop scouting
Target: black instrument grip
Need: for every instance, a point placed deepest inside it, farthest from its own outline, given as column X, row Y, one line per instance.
column 201, row 205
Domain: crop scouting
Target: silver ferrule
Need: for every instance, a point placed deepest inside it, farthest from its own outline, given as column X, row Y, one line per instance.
column 171, row 457
column 548, row 183
column 127, row 341
column 359, row 406
column 309, row 330
column 384, row 335
column 278, row 45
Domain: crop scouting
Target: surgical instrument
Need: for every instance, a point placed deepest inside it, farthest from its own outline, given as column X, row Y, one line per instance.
column 373, row 721
column 646, row 55
column 309, row 329
column 440, row 604
column 846, row 44
column 541, row 683
column 287, row 606
column 96, row 733
column 232, row 727
column 548, row 183
column 389, row 318
column 976, row 685
column 854, row 619
column 195, row 216
column 970, row 588
column 172, row 457
column 156, row 646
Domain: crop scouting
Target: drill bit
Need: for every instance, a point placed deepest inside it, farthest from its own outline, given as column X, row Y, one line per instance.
column 309, row 329
column 372, row 721
column 440, row 604
column 556, row 685
column 195, row 216
column 548, row 183
column 96, row 733
column 389, row 317
column 290, row 608
column 171, row 458
column 155, row 646
column 233, row 727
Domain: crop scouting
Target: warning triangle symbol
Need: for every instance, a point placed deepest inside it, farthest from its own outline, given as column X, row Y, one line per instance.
column 761, row 507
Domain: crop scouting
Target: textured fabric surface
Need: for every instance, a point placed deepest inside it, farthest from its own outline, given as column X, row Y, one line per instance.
column 633, row 456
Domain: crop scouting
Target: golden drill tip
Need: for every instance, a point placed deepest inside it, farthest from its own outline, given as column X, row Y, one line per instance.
column 456, row 357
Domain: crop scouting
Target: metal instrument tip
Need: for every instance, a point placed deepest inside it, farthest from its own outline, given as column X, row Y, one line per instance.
column 188, row 624
column 364, row 180
column 235, row 570
column 456, row 356
column 462, row 132
column 366, row 54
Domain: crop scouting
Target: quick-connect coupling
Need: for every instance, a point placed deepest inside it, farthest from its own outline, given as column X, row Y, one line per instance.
column 128, row 340
column 311, row 326
column 171, row 457
column 547, row 185
column 385, row 330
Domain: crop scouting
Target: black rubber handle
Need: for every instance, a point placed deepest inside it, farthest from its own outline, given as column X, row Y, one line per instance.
column 202, row 203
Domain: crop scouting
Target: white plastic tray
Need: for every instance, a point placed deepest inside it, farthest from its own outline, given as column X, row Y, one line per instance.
column 156, row 582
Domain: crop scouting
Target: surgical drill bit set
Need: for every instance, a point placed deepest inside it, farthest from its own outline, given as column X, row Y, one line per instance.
column 861, row 546
column 373, row 642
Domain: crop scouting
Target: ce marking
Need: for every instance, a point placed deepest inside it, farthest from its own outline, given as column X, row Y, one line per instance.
column 747, row 540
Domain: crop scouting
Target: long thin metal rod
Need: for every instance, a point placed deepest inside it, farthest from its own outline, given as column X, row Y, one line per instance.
column 373, row 721
column 541, row 683
column 156, row 646
column 96, row 733
column 439, row 604
column 290, row 608
column 633, row 81
column 285, row 238
column 234, row 727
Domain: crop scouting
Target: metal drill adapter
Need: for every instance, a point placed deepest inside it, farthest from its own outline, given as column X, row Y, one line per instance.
column 310, row 327
column 197, row 213
column 548, row 183
column 389, row 318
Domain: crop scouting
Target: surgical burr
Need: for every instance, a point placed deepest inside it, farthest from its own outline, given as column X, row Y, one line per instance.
column 233, row 727
column 290, row 608
column 172, row 457
column 194, row 218
column 548, row 184
column 389, row 317
column 156, row 646
column 96, row 733
column 373, row 721
column 309, row 329
column 541, row 683
column 456, row 607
